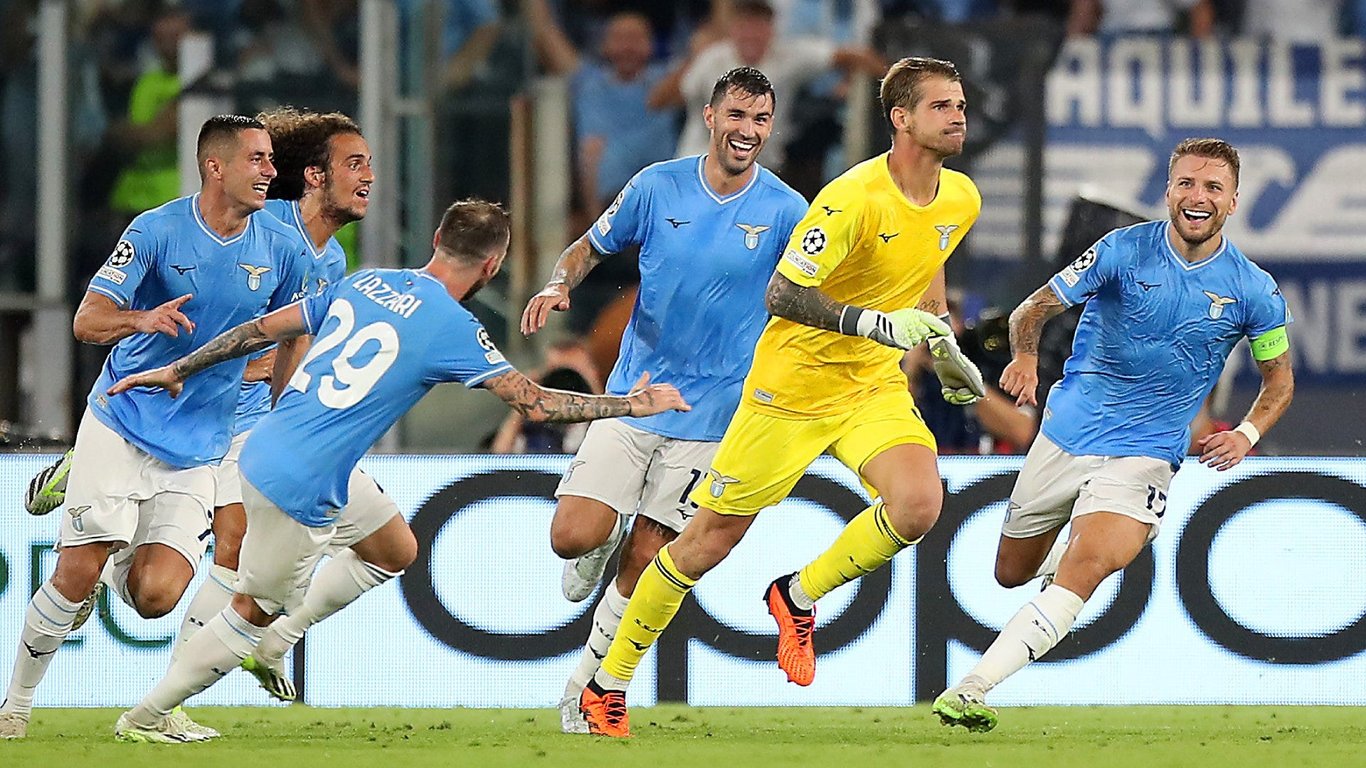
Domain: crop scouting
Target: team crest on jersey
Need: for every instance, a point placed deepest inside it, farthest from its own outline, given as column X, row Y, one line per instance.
column 1217, row 304
column 752, row 234
column 254, row 274
column 123, row 254
column 719, row 482
column 945, row 232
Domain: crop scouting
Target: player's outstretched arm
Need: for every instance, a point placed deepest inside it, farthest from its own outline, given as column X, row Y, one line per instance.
column 808, row 305
column 1020, row 378
column 100, row 321
column 252, row 336
column 1224, row 450
column 570, row 269
column 536, row 403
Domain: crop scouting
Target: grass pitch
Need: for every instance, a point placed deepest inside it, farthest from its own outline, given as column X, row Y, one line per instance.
column 668, row 736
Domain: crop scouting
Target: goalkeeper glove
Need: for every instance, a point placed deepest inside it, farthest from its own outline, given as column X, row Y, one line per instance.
column 959, row 379
column 47, row 490
column 902, row 328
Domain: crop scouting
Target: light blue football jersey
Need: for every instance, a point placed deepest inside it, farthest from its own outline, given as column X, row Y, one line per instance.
column 1152, row 340
column 168, row 252
column 327, row 266
column 383, row 338
column 705, row 261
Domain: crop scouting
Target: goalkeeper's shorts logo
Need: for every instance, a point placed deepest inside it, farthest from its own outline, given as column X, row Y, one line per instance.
column 719, row 482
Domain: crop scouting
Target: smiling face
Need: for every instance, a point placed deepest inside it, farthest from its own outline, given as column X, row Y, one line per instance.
column 740, row 125
column 346, row 185
column 247, row 169
column 1201, row 194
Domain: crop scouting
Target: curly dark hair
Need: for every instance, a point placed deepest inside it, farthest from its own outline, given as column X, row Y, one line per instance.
column 301, row 140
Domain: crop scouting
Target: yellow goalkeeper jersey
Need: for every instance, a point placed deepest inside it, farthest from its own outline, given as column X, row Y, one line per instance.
column 864, row 243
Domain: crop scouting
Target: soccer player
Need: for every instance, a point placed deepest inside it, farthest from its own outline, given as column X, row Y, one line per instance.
column 323, row 184
column 1166, row 301
column 141, row 486
column 384, row 338
column 861, row 282
column 710, row 229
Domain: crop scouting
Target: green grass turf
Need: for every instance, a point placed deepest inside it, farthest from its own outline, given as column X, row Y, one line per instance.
column 667, row 736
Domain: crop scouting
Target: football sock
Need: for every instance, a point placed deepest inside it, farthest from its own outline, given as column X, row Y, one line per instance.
column 213, row 596
column 338, row 584
column 208, row 656
column 1054, row 557
column 46, row 624
column 1031, row 633
column 606, row 619
column 865, row 544
column 659, row 594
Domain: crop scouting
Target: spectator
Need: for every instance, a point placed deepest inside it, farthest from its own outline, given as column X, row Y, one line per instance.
column 1119, row 17
column 332, row 26
column 148, row 131
column 469, row 30
column 789, row 64
column 1295, row 21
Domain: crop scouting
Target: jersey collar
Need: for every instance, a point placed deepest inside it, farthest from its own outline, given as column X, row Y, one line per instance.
column 297, row 213
column 702, row 179
column 1191, row 265
column 208, row 230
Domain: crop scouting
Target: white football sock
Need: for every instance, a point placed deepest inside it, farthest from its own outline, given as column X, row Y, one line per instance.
column 606, row 619
column 1031, row 633
column 203, row 661
column 1049, row 566
column 338, row 584
column 213, row 596
column 46, row 624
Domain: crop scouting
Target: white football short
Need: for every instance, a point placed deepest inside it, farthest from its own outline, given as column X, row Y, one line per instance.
column 117, row 493
column 227, row 475
column 279, row 553
column 1054, row 486
column 631, row 470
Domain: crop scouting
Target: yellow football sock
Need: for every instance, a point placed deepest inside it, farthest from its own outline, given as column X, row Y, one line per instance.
column 865, row 544
column 658, row 595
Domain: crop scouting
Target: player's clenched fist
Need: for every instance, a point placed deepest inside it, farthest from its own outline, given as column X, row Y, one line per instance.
column 647, row 399
column 554, row 296
column 167, row 318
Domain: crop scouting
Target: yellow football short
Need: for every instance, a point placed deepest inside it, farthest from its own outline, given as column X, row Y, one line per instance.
column 762, row 456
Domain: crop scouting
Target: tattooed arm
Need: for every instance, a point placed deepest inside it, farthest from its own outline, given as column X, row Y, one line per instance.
column 1020, row 379
column 536, row 403
column 1223, row 450
column 902, row 328
column 252, row 336
column 570, row 269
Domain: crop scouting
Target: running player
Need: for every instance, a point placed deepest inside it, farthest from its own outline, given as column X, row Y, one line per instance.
column 861, row 281
column 384, row 338
column 1166, row 301
column 323, row 184
column 141, row 484
column 710, row 229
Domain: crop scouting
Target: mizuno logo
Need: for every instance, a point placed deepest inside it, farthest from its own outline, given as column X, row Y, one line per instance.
column 831, row 211
column 637, row 646
column 181, row 270
column 37, row 654
column 888, row 238
column 676, row 222
column 1148, row 286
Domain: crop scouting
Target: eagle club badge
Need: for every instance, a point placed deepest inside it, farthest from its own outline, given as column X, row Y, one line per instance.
column 945, row 232
column 254, row 274
column 752, row 234
column 1217, row 304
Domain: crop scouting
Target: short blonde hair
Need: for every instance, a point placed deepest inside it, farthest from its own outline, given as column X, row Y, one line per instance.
column 1214, row 149
column 901, row 85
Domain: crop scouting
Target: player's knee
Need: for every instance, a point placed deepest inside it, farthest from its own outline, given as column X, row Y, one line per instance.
column 400, row 553
column 76, row 574
column 1010, row 574
column 152, row 601
column 914, row 512
column 570, row 539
